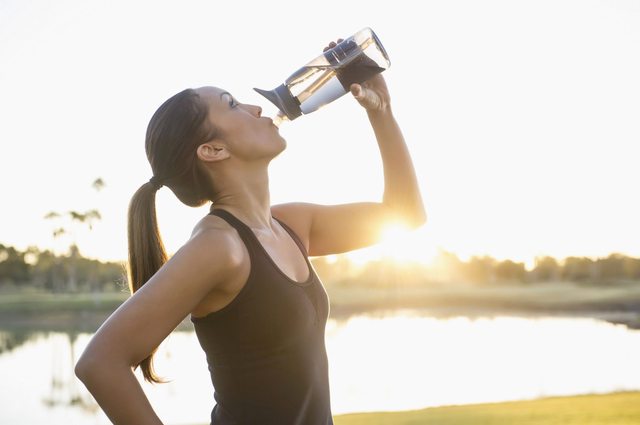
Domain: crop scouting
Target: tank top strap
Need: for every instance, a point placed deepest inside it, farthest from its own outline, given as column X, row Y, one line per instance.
column 246, row 234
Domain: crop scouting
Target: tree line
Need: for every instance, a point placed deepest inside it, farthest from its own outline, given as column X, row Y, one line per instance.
column 44, row 270
column 481, row 270
column 71, row 272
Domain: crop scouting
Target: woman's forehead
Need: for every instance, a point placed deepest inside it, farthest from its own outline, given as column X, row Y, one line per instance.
column 210, row 90
column 213, row 94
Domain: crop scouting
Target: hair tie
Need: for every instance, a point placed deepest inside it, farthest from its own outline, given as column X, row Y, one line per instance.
column 155, row 182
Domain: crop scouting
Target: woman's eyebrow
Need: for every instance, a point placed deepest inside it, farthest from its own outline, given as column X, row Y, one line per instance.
column 230, row 100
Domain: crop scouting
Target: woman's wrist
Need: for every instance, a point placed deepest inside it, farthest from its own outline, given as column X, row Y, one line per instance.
column 376, row 114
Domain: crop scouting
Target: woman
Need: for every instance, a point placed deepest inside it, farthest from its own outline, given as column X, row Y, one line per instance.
column 244, row 277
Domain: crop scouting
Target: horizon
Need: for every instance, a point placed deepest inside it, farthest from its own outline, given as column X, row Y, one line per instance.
column 359, row 260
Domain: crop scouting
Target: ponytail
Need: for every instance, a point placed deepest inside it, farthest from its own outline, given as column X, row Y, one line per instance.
column 173, row 135
column 146, row 252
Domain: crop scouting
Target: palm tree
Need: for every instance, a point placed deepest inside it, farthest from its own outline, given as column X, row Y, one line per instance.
column 87, row 218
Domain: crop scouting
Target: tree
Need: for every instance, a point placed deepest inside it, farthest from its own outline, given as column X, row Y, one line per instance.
column 73, row 218
column 612, row 267
column 632, row 268
column 13, row 267
column 510, row 271
column 49, row 271
column 546, row 269
column 98, row 184
column 447, row 267
column 480, row 269
column 579, row 269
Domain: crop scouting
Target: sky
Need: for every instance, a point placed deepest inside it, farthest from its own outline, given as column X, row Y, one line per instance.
column 521, row 116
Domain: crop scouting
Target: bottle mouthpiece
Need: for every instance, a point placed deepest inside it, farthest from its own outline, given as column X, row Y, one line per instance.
column 279, row 119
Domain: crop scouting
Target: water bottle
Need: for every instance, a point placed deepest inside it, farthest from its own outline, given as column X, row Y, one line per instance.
column 329, row 76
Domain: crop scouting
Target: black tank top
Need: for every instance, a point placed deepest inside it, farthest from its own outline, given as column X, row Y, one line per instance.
column 266, row 349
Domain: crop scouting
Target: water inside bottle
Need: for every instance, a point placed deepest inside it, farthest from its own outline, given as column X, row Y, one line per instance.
column 329, row 76
column 315, row 86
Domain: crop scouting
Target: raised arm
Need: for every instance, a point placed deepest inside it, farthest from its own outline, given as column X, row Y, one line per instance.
column 141, row 323
column 340, row 228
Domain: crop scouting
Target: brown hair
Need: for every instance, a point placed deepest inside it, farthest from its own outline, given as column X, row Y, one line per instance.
column 174, row 133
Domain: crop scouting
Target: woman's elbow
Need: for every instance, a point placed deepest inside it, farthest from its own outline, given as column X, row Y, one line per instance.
column 417, row 219
column 91, row 366
column 83, row 367
column 415, row 216
column 411, row 214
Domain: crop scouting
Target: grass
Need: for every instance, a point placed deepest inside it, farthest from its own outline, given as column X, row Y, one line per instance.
column 615, row 302
column 541, row 295
column 45, row 302
column 618, row 303
column 31, row 311
column 603, row 409
column 558, row 296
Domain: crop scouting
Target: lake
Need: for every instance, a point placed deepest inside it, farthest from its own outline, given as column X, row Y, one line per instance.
column 389, row 361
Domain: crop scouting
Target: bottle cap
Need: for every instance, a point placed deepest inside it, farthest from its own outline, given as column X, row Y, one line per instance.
column 284, row 101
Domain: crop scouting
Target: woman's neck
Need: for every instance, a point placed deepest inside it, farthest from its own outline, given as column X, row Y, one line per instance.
column 246, row 197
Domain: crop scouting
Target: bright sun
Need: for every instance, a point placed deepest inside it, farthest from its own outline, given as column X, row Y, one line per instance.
column 399, row 244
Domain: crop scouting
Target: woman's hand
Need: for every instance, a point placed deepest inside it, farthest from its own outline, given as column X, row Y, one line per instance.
column 372, row 94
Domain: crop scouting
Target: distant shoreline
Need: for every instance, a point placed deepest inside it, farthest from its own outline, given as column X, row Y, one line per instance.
column 618, row 304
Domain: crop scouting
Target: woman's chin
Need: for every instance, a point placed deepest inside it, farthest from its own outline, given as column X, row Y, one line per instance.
column 284, row 143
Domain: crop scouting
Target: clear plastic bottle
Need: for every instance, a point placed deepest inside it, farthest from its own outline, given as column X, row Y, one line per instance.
column 328, row 76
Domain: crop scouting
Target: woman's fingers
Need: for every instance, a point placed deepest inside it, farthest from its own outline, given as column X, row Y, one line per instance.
column 356, row 90
column 330, row 46
column 333, row 44
column 366, row 97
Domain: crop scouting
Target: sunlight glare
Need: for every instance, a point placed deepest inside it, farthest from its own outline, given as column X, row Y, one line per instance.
column 423, row 361
column 399, row 244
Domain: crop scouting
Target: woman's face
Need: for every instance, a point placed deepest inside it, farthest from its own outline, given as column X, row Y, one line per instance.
column 240, row 126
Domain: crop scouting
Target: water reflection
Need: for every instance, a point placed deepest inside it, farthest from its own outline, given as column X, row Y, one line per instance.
column 408, row 362
column 64, row 389
column 14, row 339
column 400, row 361
column 39, row 385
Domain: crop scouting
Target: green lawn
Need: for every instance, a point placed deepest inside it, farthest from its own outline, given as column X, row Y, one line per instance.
column 609, row 409
column 618, row 303
column 30, row 311
column 547, row 297
column 556, row 296
column 44, row 302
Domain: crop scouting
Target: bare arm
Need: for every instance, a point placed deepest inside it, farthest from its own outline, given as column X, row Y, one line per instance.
column 340, row 228
column 140, row 324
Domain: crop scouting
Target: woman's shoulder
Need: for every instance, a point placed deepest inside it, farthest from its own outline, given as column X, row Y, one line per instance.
column 217, row 243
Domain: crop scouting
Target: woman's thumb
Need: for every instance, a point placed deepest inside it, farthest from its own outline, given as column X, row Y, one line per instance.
column 356, row 91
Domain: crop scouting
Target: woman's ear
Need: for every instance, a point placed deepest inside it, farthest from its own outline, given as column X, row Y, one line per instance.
column 212, row 152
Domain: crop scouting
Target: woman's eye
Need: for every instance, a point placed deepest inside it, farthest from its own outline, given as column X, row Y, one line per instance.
column 233, row 103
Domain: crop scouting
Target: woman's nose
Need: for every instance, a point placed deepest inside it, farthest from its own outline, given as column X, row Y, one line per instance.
column 259, row 111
